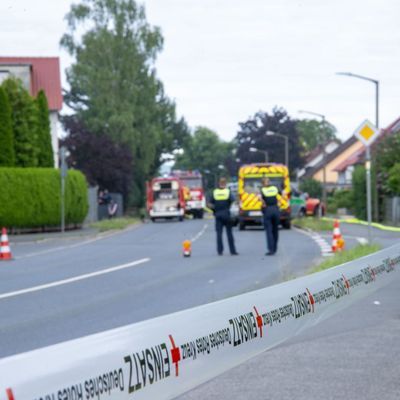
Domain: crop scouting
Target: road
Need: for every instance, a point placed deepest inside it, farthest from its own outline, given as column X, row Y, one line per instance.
column 353, row 355
column 40, row 305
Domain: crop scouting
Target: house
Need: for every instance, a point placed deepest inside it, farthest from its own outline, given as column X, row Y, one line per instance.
column 346, row 167
column 316, row 156
column 38, row 73
column 331, row 161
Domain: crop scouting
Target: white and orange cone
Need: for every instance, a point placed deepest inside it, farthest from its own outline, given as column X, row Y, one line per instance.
column 187, row 248
column 337, row 240
column 5, row 251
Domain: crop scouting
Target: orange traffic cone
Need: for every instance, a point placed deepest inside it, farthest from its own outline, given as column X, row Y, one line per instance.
column 187, row 248
column 5, row 252
column 337, row 240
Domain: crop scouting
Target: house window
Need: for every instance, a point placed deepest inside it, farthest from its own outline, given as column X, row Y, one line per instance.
column 4, row 74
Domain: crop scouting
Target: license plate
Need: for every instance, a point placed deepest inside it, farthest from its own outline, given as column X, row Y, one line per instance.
column 255, row 213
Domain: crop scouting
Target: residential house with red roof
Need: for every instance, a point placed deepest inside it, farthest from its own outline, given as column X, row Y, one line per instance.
column 38, row 73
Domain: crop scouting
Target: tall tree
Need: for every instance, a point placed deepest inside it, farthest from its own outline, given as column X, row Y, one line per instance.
column 24, row 120
column 45, row 156
column 113, row 84
column 314, row 133
column 7, row 154
column 253, row 134
column 105, row 163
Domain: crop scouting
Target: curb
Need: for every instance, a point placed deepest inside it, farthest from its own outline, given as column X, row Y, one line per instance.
column 360, row 222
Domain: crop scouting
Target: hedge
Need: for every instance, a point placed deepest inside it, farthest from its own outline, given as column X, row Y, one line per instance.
column 30, row 197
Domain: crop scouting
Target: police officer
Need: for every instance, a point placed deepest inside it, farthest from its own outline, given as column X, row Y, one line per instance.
column 270, row 199
column 220, row 202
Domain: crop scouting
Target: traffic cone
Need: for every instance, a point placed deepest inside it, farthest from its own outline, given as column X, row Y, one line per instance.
column 187, row 248
column 337, row 240
column 5, row 251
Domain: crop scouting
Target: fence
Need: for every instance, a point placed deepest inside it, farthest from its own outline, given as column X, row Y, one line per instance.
column 392, row 210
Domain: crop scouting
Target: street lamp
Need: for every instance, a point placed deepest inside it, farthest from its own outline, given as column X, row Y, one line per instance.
column 322, row 116
column 368, row 152
column 270, row 133
column 254, row 150
column 376, row 82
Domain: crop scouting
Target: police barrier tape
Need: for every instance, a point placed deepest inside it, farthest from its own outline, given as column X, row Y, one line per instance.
column 167, row 356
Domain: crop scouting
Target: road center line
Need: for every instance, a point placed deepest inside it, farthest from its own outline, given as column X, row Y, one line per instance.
column 74, row 279
column 199, row 234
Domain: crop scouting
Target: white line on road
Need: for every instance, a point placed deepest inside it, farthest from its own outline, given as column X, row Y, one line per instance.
column 326, row 250
column 74, row 279
column 198, row 235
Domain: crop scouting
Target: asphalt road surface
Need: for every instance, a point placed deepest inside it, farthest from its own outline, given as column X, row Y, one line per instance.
column 58, row 289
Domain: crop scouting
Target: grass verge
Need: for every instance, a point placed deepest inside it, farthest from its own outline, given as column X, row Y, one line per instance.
column 315, row 224
column 115, row 223
column 346, row 256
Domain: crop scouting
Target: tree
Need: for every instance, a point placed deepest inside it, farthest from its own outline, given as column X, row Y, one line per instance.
column 204, row 151
column 252, row 134
column 314, row 133
column 312, row 187
column 45, row 149
column 394, row 179
column 7, row 154
column 114, row 89
column 24, row 121
column 359, row 192
column 105, row 163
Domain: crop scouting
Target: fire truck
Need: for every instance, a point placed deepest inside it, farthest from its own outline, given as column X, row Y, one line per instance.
column 165, row 198
column 249, row 191
column 194, row 191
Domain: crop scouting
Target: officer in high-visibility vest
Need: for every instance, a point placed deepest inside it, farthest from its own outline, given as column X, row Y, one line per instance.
column 270, row 199
column 220, row 202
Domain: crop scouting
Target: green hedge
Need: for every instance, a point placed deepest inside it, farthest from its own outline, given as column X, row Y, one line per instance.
column 30, row 197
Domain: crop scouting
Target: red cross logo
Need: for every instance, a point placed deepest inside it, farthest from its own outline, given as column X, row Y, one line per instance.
column 372, row 273
column 259, row 321
column 311, row 298
column 9, row 393
column 347, row 284
column 175, row 354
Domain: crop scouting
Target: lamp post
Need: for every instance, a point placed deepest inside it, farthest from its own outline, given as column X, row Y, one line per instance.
column 254, row 150
column 322, row 116
column 368, row 152
column 271, row 133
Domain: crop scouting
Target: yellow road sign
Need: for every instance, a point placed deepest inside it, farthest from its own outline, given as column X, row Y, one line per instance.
column 367, row 132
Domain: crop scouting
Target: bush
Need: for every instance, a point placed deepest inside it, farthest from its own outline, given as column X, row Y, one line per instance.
column 342, row 198
column 394, row 179
column 312, row 187
column 30, row 197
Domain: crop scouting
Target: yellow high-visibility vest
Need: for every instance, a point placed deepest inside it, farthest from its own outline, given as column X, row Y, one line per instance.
column 221, row 194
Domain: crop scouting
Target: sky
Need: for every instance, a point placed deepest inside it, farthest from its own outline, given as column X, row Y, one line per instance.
column 225, row 60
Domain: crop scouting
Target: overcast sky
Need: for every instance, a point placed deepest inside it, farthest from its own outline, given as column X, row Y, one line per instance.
column 224, row 60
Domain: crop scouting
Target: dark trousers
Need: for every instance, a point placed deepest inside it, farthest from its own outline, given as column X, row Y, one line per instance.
column 220, row 223
column 271, row 224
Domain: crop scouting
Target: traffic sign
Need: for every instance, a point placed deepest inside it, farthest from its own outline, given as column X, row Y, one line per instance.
column 367, row 132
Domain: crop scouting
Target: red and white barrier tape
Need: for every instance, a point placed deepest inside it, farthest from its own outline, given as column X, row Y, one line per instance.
column 167, row 356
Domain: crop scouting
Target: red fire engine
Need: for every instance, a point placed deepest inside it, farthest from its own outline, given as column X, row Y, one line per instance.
column 165, row 198
column 194, row 191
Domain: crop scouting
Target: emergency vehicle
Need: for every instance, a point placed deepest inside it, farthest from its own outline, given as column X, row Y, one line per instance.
column 165, row 198
column 249, row 191
column 194, row 191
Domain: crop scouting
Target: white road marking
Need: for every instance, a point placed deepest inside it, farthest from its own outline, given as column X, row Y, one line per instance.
column 377, row 303
column 199, row 234
column 326, row 250
column 73, row 279
column 362, row 240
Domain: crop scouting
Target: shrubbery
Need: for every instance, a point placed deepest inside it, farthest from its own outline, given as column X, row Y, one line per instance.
column 30, row 197
column 341, row 198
